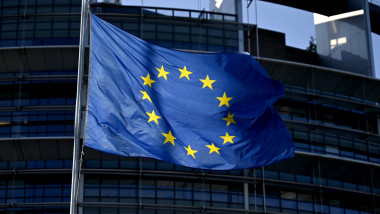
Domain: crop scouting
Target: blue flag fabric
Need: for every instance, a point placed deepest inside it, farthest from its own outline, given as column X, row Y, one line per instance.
column 206, row 111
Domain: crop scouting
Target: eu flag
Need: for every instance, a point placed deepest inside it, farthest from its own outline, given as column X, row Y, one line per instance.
column 207, row 111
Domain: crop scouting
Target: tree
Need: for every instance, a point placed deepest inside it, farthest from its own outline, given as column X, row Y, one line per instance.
column 312, row 45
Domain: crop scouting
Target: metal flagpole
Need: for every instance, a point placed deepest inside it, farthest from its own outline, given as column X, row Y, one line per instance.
column 78, row 108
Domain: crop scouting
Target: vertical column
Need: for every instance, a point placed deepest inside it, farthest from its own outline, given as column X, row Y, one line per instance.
column 239, row 13
column 254, row 189
column 372, row 190
column 142, row 20
column 264, row 196
column 320, row 184
column 246, row 191
column 203, row 192
column 368, row 31
column 139, row 185
column 80, row 193
column 257, row 32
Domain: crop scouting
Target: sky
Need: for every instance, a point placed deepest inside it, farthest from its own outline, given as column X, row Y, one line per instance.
column 298, row 25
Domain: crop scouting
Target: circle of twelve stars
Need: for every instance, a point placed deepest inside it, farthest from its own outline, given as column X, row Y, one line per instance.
column 207, row 82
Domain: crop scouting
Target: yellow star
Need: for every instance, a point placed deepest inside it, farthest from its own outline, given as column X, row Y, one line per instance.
column 207, row 82
column 148, row 80
column 185, row 73
column 162, row 73
column 190, row 151
column 146, row 96
column 153, row 117
column 229, row 119
column 213, row 148
column 227, row 138
column 169, row 137
column 224, row 100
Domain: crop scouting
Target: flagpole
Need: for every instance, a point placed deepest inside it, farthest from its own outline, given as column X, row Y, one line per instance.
column 78, row 107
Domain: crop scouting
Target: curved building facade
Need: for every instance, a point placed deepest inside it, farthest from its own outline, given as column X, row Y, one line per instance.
column 333, row 116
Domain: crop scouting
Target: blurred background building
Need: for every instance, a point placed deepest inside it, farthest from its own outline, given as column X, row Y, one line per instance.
column 331, row 108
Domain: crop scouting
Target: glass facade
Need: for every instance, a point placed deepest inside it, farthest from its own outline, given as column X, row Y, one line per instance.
column 333, row 119
column 39, row 22
column 175, row 28
column 37, row 103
